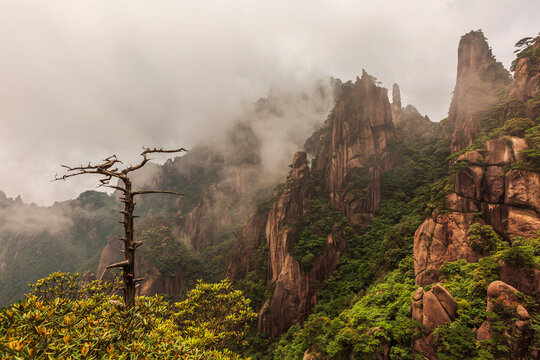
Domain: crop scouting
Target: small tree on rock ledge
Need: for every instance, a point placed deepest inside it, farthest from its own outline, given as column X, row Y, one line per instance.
column 108, row 169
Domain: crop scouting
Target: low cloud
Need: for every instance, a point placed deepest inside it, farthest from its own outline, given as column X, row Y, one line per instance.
column 83, row 80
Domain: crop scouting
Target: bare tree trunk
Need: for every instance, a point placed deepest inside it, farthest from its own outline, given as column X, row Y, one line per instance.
column 129, row 246
column 105, row 169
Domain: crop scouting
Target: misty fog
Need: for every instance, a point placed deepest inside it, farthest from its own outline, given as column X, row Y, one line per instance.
column 83, row 80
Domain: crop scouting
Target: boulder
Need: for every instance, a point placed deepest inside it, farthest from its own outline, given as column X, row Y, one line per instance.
column 499, row 152
column 505, row 150
column 439, row 307
column 434, row 308
column 499, row 292
column 314, row 353
column 417, row 305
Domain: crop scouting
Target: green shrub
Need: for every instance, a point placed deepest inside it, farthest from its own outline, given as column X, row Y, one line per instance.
column 483, row 238
column 99, row 327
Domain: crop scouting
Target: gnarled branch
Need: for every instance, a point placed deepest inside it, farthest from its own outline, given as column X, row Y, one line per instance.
column 146, row 159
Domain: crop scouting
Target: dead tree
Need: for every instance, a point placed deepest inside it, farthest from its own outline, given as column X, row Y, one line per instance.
column 109, row 170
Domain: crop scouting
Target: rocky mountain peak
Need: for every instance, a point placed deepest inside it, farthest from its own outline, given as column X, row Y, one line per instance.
column 527, row 71
column 396, row 96
column 353, row 152
column 479, row 76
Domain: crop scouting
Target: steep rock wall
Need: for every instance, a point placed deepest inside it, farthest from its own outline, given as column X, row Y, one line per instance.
column 353, row 154
column 295, row 290
column 479, row 76
column 245, row 247
column 483, row 194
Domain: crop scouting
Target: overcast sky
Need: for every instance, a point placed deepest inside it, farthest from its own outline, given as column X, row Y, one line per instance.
column 80, row 80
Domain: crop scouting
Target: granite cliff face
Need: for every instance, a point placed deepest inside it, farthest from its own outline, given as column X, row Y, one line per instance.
column 486, row 188
column 493, row 185
column 243, row 255
column 354, row 153
column 527, row 74
column 295, row 293
column 223, row 204
column 484, row 194
column 479, row 76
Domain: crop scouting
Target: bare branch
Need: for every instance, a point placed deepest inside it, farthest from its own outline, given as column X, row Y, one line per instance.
column 113, row 187
column 118, row 264
column 146, row 159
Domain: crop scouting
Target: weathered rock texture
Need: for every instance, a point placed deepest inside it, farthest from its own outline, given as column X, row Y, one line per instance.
column 434, row 308
column 111, row 254
column 352, row 157
column 295, row 287
column 518, row 332
column 441, row 238
column 479, row 76
column 221, row 206
column 354, row 154
column 508, row 202
column 525, row 279
column 244, row 250
column 490, row 188
column 527, row 76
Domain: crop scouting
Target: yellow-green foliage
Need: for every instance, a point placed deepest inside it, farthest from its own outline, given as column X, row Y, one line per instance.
column 214, row 315
column 99, row 327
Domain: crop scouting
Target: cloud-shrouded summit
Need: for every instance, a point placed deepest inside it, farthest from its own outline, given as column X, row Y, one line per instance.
column 87, row 79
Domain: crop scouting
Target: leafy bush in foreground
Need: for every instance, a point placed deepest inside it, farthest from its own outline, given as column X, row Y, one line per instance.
column 99, row 327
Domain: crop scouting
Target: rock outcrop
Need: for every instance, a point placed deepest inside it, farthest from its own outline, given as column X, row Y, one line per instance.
column 245, row 247
column 436, row 307
column 408, row 121
column 479, row 76
column 527, row 75
column 442, row 237
column 508, row 202
column 295, row 287
column 486, row 191
column 503, row 298
column 352, row 157
column 396, row 104
column 354, row 154
column 221, row 205
column 110, row 254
